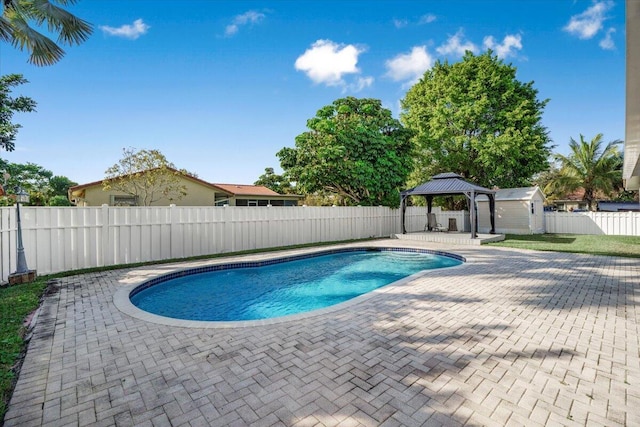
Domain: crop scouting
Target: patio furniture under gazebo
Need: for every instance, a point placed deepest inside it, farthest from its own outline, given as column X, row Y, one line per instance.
column 448, row 184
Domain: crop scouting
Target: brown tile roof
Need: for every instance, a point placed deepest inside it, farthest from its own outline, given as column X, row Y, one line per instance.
column 246, row 190
column 578, row 196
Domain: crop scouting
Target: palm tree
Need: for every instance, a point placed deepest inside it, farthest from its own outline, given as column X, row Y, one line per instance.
column 16, row 28
column 589, row 166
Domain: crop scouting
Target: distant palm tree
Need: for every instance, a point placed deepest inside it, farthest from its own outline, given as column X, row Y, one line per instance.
column 589, row 166
column 19, row 17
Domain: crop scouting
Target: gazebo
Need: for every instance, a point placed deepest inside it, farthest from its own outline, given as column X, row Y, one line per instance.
column 449, row 184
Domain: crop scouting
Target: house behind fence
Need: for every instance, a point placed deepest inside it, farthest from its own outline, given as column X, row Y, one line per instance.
column 197, row 193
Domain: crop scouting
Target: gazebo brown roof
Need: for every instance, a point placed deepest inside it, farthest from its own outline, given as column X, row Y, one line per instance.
column 446, row 184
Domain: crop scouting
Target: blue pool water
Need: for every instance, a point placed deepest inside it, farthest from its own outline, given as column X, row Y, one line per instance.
column 281, row 288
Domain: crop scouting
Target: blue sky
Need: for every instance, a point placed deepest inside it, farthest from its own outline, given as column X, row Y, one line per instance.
column 220, row 86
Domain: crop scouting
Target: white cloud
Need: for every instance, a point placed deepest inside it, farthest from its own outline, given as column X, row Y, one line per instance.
column 509, row 46
column 607, row 42
column 400, row 23
column 360, row 84
column 409, row 66
column 250, row 17
column 588, row 23
column 427, row 19
column 456, row 45
column 424, row 19
column 328, row 62
column 132, row 31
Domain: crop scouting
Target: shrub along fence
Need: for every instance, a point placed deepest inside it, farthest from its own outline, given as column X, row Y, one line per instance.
column 69, row 238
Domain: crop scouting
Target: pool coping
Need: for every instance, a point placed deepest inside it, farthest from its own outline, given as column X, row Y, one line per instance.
column 122, row 301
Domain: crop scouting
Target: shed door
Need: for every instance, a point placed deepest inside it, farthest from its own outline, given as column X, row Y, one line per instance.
column 537, row 216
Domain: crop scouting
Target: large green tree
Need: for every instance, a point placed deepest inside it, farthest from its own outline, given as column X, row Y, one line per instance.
column 60, row 185
column 21, row 21
column 147, row 175
column 475, row 118
column 591, row 165
column 43, row 187
column 355, row 149
column 278, row 183
column 10, row 105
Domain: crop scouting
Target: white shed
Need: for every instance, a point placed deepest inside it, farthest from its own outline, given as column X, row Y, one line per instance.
column 518, row 211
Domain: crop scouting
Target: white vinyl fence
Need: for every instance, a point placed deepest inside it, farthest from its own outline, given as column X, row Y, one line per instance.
column 69, row 238
column 610, row 223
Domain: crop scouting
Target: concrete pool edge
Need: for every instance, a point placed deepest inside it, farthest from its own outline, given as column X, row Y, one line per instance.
column 122, row 301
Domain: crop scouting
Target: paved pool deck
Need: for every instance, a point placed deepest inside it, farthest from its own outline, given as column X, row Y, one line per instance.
column 513, row 337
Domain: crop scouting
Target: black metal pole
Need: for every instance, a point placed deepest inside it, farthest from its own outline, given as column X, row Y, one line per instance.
column 21, row 261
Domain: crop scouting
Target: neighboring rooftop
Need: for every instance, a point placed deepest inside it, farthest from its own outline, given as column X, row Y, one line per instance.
column 611, row 206
column 233, row 189
column 246, row 190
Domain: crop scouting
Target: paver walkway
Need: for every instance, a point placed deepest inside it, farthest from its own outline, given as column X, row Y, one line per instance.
column 512, row 338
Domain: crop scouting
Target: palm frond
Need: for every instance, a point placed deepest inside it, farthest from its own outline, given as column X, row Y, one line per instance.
column 6, row 32
column 71, row 30
column 66, row 2
column 591, row 165
column 43, row 51
column 15, row 28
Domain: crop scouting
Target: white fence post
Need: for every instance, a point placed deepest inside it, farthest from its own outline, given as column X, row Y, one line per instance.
column 174, row 239
column 104, row 234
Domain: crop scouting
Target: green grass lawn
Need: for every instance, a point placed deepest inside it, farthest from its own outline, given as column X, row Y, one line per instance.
column 16, row 302
column 624, row 246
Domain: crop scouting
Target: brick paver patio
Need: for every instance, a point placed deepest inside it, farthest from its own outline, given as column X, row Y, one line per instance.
column 511, row 338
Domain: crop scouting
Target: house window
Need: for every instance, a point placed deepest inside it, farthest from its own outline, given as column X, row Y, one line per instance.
column 245, row 202
column 124, row 201
column 265, row 202
column 221, row 200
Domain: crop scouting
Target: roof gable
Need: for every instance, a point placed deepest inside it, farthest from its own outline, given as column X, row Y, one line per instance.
column 99, row 183
column 513, row 194
column 230, row 189
column 521, row 193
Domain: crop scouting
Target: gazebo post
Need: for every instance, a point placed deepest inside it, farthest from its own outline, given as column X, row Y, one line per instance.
column 429, row 206
column 492, row 212
column 472, row 212
column 403, row 207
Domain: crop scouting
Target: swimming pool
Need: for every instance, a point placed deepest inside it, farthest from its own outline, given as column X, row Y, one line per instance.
column 282, row 286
